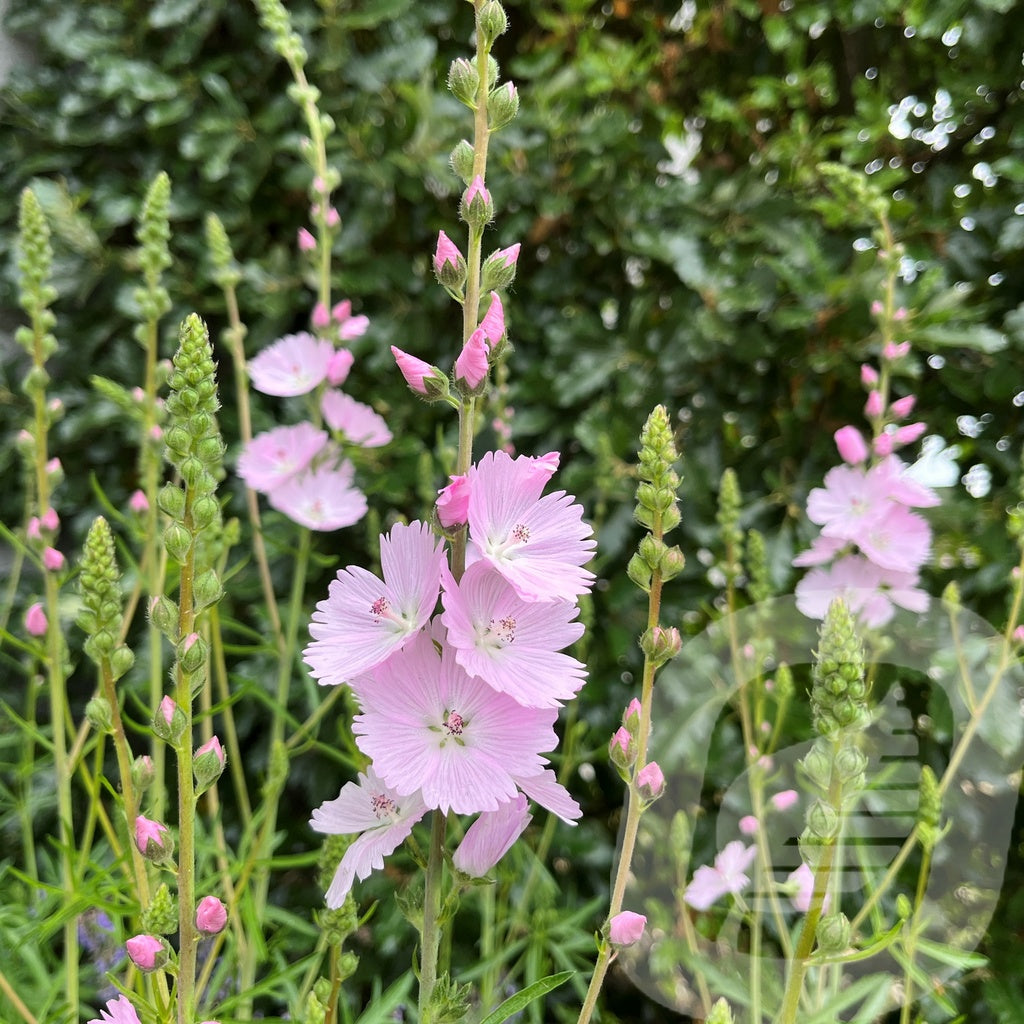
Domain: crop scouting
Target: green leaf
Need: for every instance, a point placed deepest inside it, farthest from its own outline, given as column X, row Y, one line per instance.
column 523, row 998
column 976, row 336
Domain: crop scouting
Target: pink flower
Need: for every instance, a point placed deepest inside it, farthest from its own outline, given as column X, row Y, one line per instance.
column 152, row 838
column 895, row 539
column 784, row 800
column 339, row 366
column 823, row 549
column 493, row 323
column 36, row 623
column 322, row 499
column 428, row 726
column 139, row 503
column 868, row 375
column 118, row 1011
column 544, row 788
column 147, row 952
column 414, row 370
column 910, row 433
column 354, row 327
column 539, row 544
column 384, row 819
column 453, row 503
column 626, row 928
column 650, row 781
column 357, row 422
column 710, row 884
column 447, row 252
column 471, row 366
column 802, row 880
column 749, row 825
column 321, row 317
column 902, row 407
column 53, row 560
column 491, row 836
column 874, row 406
column 851, row 445
column 211, row 915
column 307, row 243
column 363, row 621
column 292, row 365
column 510, row 643
column 274, row 457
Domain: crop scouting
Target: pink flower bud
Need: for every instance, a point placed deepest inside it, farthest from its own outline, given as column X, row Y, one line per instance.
column 35, row 620
column 491, row 836
column 493, row 324
column 152, row 839
column 155, row 432
column 147, row 952
column 622, row 748
column 339, row 366
column 508, row 258
column 877, row 308
column 785, row 799
column 50, row 520
column 341, row 311
column 650, row 781
column 32, row 530
column 320, row 318
column 471, row 366
column 212, row 745
column 333, row 217
column 138, row 395
column 1018, row 634
column 53, row 560
column 453, row 503
column 884, row 445
column 354, row 327
column 892, row 351
column 631, row 716
column 910, row 433
column 413, row 370
column 447, row 252
column 749, row 825
column 168, row 709
column 868, row 376
column 900, row 314
column 478, row 191
column 625, row 928
column 851, row 444
column 139, row 503
column 307, row 243
column 54, row 467
column 873, row 406
column 902, row 407
column 211, row 915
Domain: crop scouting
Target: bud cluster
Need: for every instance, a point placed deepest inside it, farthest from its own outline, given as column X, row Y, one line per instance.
column 101, row 596
column 154, row 256
column 839, row 689
column 728, row 518
column 35, row 259
column 226, row 273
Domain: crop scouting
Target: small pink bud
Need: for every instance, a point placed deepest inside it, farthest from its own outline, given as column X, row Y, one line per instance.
column 139, row 503
column 446, row 252
column 156, row 433
column 413, row 370
column 650, row 781
column 478, row 191
column 212, row 745
column 147, row 952
column 354, row 327
column 53, row 467
column 55, row 406
column 50, row 520
column 319, row 185
column 138, row 395
column 910, row 433
column 493, row 324
column 749, row 825
column 853, row 449
column 320, row 318
column 53, row 560
column 341, row 311
column 868, row 375
column 453, row 503
column 333, row 217
column 884, row 445
column 1018, row 633
column 307, row 243
column 471, row 366
column 32, row 530
column 625, row 928
column 622, row 748
column 631, row 716
column 877, row 308
column 168, row 709
column 152, row 839
column 211, row 915
column 190, row 641
column 784, row 800
column 874, row 406
column 900, row 314
column 507, row 257
column 902, row 407
column 339, row 366
column 892, row 351
column 35, row 620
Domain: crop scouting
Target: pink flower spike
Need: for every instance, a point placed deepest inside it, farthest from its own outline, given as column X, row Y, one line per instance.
column 785, row 799
column 364, row 621
column 320, row 318
column 626, row 928
column 903, row 407
column 147, row 952
column 384, row 819
column 909, row 433
column 354, row 327
column 211, row 915
column 339, row 366
column 322, row 499
column 307, row 243
column 491, row 836
column 493, row 323
column 873, row 406
column 539, row 544
column 510, row 643
column 357, row 422
column 118, row 1011
column 710, row 884
column 749, row 825
column 413, row 370
column 446, row 252
column 274, row 457
column 471, row 366
column 35, row 620
column 851, row 445
column 53, row 560
column 293, row 365
column 139, row 503
column 453, row 503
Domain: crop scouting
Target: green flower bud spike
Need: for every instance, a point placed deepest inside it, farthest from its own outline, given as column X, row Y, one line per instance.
column 154, row 257
column 99, row 581
column 720, row 1013
column 839, row 691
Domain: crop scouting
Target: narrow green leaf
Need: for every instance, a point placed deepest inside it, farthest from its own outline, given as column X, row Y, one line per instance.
column 523, row 998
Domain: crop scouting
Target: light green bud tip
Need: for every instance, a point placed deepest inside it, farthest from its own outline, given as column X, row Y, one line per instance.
column 656, row 494
column 161, row 916
column 929, row 807
column 225, row 271
column 35, row 256
column 101, row 594
column 760, row 587
column 720, row 1013
column 838, row 690
column 154, row 230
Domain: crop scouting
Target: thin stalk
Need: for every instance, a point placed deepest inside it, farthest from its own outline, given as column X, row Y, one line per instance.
column 430, row 935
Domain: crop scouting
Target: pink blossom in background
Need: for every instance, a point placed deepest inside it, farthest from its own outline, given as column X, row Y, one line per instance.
column 358, row 422
column 894, row 477
column 903, row 407
column 539, row 544
column 873, row 406
column 909, row 433
column 626, row 928
column 428, row 726
column 785, row 799
column 292, row 365
column 353, row 327
column 868, row 375
column 710, row 884
column 321, row 499
column 823, row 549
column 510, row 643
column 321, row 318
column 895, row 539
column 851, row 445
column 364, row 620
column 339, row 366
column 272, row 458
column 893, row 351
column 118, row 1011
column 869, row 591
column 491, row 836
column 471, row 365
column 383, row 819
column 36, row 623
column 307, row 242
column 53, row 560
column 453, row 503
column 413, row 370
column 493, row 323
column 749, row 825
column 139, row 503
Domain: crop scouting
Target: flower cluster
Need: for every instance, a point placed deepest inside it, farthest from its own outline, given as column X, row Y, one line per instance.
column 302, row 468
column 458, row 704
column 872, row 546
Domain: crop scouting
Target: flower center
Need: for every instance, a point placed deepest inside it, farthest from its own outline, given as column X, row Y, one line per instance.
column 383, row 806
column 503, row 630
column 454, row 723
column 520, row 533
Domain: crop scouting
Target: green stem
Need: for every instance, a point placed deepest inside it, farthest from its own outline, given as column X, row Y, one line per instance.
column 430, row 935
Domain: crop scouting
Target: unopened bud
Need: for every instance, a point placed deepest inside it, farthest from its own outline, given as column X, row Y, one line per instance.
column 499, row 269
column 833, row 933
column 99, row 714
column 464, row 81
column 143, row 772
column 211, row 915
column 163, row 613
column 121, row 660
column 462, row 160
column 153, row 839
column 660, row 644
column 640, row 572
column 823, row 821
column 206, row 590
column 492, row 21
column 208, row 763
column 502, row 106
column 148, row 952
column 622, row 748
column 192, row 651
column 169, row 721
column 650, row 781
column 178, row 542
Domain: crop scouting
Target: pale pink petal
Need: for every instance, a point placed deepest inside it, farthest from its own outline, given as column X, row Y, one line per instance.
column 354, row 327
column 293, row 365
column 491, row 836
column 545, row 789
column 358, row 422
column 118, row 1011
column 322, row 499
column 275, row 456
